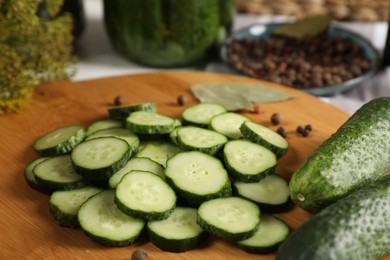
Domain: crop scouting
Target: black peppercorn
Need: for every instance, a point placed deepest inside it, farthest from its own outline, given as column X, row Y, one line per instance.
column 276, row 119
column 118, row 101
column 181, row 100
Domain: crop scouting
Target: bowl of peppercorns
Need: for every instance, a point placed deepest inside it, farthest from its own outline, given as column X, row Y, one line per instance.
column 333, row 61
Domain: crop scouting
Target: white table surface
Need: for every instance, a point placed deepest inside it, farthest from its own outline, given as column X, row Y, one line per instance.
column 97, row 58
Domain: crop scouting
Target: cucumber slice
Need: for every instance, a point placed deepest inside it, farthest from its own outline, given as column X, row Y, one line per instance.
column 101, row 220
column 231, row 218
column 30, row 177
column 145, row 195
column 99, row 158
column 264, row 136
column 173, row 136
column 57, row 173
column 64, row 205
column 271, row 193
column 201, row 114
column 180, row 232
column 141, row 163
column 247, row 161
column 103, row 124
column 271, row 233
column 228, row 124
column 122, row 133
column 59, row 141
column 191, row 138
column 150, row 123
column 158, row 151
column 122, row 112
column 197, row 177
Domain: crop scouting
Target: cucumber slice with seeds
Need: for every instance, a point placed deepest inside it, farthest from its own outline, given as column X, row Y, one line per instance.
column 59, row 141
column 136, row 163
column 57, row 173
column 271, row 233
column 150, row 123
column 191, row 138
column 145, row 195
column 122, row 133
column 122, row 112
column 30, row 177
column 64, row 205
column 180, row 232
column 197, row 177
column 158, row 151
column 99, row 158
column 201, row 114
column 101, row 220
column 264, row 136
column 231, row 218
column 247, row 161
column 103, row 124
column 271, row 193
column 228, row 124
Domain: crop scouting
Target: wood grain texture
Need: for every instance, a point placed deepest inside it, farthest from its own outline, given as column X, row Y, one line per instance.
column 27, row 229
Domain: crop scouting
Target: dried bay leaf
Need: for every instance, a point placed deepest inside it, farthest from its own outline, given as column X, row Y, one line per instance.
column 237, row 95
column 306, row 27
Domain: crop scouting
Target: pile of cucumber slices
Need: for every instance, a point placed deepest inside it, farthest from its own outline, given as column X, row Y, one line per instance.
column 211, row 172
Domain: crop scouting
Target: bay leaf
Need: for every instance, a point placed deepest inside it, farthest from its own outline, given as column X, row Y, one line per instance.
column 306, row 27
column 237, row 95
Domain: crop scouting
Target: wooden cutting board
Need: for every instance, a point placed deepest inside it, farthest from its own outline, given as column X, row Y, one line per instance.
column 27, row 229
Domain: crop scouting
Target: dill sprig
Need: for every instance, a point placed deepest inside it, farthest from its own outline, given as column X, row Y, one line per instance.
column 34, row 48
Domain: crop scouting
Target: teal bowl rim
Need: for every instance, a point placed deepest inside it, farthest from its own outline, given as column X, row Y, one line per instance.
column 262, row 31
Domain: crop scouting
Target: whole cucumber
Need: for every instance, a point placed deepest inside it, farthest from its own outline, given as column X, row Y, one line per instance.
column 355, row 227
column 357, row 154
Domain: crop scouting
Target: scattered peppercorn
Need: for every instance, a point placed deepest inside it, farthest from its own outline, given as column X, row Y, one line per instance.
column 308, row 127
column 118, row 101
column 276, row 118
column 139, row 254
column 300, row 129
column 305, row 133
column 256, row 109
column 282, row 132
column 181, row 100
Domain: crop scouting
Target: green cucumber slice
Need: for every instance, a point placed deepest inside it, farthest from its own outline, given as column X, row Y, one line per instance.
column 59, row 141
column 145, row 195
column 231, row 218
column 122, row 112
column 122, row 133
column 158, row 151
column 180, row 232
column 228, row 124
column 103, row 124
column 271, row 193
column 270, row 235
column 150, row 123
column 99, row 158
column 104, row 223
column 265, row 136
column 30, row 177
column 197, row 177
column 247, row 161
column 64, row 205
column 57, row 173
column 191, row 138
column 201, row 114
column 136, row 163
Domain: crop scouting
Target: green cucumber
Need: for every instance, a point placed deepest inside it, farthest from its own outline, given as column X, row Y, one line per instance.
column 358, row 153
column 197, row 177
column 201, row 114
column 142, row 122
column 247, row 161
column 180, row 232
column 103, row 222
column 271, row 233
column 228, row 124
column 264, row 136
column 145, row 195
column 103, row 124
column 100, row 157
column 121, row 133
column 192, row 138
column 59, row 141
column 122, row 112
column 231, row 218
column 64, row 205
column 30, row 177
column 158, row 151
column 354, row 227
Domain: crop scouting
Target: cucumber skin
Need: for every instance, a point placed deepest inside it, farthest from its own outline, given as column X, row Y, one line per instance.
column 359, row 223
column 122, row 112
column 320, row 188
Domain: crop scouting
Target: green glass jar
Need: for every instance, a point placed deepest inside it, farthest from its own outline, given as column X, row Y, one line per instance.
column 167, row 33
